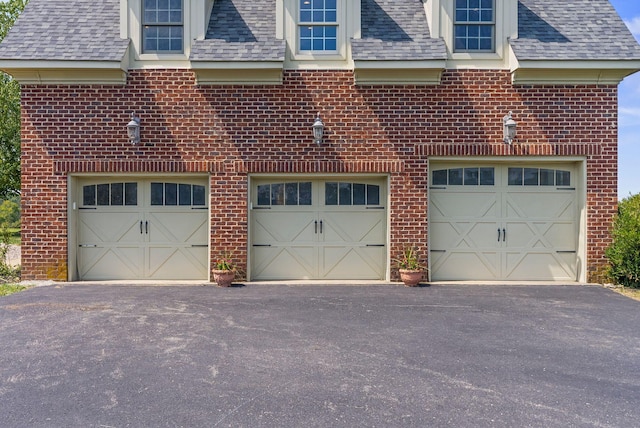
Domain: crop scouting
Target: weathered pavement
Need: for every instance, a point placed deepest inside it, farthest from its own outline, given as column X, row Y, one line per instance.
column 274, row 355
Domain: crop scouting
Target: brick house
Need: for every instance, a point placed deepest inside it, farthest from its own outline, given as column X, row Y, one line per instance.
column 414, row 97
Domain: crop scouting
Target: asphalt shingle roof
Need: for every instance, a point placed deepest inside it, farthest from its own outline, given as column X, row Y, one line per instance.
column 66, row 30
column 572, row 30
column 240, row 30
column 244, row 30
column 396, row 30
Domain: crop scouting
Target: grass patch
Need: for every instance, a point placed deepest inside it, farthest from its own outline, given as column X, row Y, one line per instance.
column 6, row 289
column 632, row 293
column 14, row 236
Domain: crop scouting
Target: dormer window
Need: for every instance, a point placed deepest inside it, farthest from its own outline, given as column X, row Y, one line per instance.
column 163, row 26
column 474, row 26
column 318, row 26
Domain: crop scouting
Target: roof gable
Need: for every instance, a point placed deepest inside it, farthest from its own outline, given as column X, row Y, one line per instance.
column 572, row 30
column 66, row 30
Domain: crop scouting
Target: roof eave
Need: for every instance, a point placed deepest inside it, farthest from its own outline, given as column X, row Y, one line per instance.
column 244, row 72
column 599, row 72
column 383, row 72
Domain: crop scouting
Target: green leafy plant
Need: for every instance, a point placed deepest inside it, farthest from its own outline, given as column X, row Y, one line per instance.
column 224, row 262
column 8, row 273
column 624, row 252
column 409, row 259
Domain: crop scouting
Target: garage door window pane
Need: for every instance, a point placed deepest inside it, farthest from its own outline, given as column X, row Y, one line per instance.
column 89, row 195
column 277, row 194
column 305, row 193
column 264, row 194
column 515, row 176
column 471, row 177
column 199, row 196
column 547, row 177
column 157, row 191
column 439, row 178
column 185, row 194
column 131, row 194
column 331, row 193
column 291, row 193
column 359, row 194
column 487, row 176
column 170, row 194
column 563, row 178
column 117, row 193
column 345, row 194
column 455, row 177
column 103, row 194
column 373, row 194
column 531, row 176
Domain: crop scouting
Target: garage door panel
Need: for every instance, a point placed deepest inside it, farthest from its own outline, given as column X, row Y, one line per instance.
column 336, row 231
column 137, row 235
column 353, row 227
column 278, row 227
column 169, row 262
column 464, row 205
column 451, row 265
column 339, row 262
column 285, row 262
column 540, row 266
column 98, row 226
column 531, row 225
column 110, row 263
column 187, row 227
column 541, row 206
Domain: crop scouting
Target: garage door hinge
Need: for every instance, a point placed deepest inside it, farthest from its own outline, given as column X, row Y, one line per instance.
column 438, row 251
column 88, row 246
column 261, row 208
column 375, row 245
column 437, row 188
column 375, row 208
column 261, row 245
column 565, row 188
column 566, row 251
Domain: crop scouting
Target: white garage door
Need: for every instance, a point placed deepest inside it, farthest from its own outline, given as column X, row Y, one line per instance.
column 503, row 222
column 142, row 229
column 318, row 229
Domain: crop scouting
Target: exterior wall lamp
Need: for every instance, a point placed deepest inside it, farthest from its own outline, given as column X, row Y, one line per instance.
column 318, row 130
column 509, row 128
column 133, row 129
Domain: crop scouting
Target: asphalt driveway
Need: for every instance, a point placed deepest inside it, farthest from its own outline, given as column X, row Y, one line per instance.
column 313, row 356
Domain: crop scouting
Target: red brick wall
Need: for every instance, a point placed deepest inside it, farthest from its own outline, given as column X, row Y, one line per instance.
column 231, row 131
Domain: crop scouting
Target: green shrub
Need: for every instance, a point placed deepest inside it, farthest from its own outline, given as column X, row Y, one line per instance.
column 624, row 252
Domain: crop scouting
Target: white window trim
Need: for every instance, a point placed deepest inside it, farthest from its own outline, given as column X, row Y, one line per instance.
column 441, row 15
column 195, row 15
column 292, row 14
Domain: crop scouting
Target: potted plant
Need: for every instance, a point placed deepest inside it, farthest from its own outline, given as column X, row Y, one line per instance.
column 411, row 271
column 224, row 271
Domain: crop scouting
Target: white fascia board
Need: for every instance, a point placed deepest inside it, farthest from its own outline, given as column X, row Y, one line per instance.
column 399, row 72
column 65, row 72
column 241, row 73
column 573, row 72
column 239, row 65
column 399, row 65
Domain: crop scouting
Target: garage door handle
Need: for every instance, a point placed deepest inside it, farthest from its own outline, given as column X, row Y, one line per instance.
column 498, row 235
column 146, row 227
column 140, row 227
column 504, row 235
column 320, row 226
column 315, row 227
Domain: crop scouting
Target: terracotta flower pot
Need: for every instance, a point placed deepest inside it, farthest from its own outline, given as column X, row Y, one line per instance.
column 223, row 278
column 410, row 278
